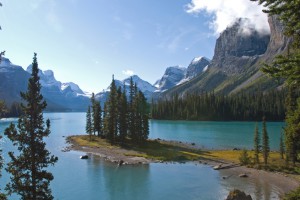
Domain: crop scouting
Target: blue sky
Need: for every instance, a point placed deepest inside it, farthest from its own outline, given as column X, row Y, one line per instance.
column 87, row 41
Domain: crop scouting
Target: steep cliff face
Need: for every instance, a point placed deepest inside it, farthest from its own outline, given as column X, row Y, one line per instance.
column 278, row 41
column 237, row 60
column 235, row 48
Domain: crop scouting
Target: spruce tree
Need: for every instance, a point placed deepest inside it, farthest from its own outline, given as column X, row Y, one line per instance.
column 88, row 126
column 93, row 112
column 256, row 145
column 97, row 118
column 291, row 137
column 281, row 144
column 29, row 177
column 111, row 114
column 265, row 142
column 131, row 111
column 123, row 116
column 2, row 196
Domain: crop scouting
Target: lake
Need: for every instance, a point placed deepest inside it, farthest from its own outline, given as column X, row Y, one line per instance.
column 97, row 179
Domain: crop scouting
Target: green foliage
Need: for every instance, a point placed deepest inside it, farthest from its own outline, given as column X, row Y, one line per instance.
column 292, row 132
column 88, row 126
column 208, row 106
column 111, row 114
column 281, row 145
column 122, row 115
column 244, row 157
column 29, row 178
column 265, row 142
column 2, row 196
column 294, row 195
column 124, row 119
column 286, row 66
column 256, row 145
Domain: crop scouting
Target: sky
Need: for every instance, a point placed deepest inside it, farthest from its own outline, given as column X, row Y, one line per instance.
column 86, row 42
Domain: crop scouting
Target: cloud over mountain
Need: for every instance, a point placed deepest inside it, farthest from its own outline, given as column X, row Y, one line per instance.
column 225, row 13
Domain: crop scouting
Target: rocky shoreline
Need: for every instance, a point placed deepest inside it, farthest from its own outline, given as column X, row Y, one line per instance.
column 228, row 170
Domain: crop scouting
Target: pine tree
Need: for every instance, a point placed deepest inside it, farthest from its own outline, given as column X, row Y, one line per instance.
column 97, row 118
column 111, row 113
column 131, row 111
column 123, row 116
column 29, row 177
column 281, row 144
column 93, row 112
column 88, row 126
column 265, row 142
column 256, row 145
column 2, row 196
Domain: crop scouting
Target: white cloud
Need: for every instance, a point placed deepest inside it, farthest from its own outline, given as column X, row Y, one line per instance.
column 128, row 72
column 226, row 12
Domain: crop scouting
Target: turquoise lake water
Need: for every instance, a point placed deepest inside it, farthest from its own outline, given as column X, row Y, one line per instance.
column 97, row 179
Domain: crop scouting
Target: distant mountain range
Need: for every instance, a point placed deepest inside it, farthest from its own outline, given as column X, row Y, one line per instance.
column 236, row 62
column 234, row 68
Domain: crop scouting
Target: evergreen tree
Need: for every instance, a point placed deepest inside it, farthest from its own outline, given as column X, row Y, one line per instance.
column 29, row 177
column 93, row 112
column 97, row 118
column 123, row 116
column 88, row 126
column 111, row 113
column 256, row 145
column 131, row 111
column 2, row 196
column 291, row 137
column 281, row 144
column 286, row 66
column 265, row 142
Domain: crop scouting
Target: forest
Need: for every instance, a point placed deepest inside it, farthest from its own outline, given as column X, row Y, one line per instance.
column 209, row 106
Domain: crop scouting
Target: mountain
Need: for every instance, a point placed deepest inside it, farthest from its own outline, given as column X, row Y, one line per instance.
column 59, row 96
column 171, row 77
column 142, row 85
column 13, row 79
column 197, row 66
column 236, row 62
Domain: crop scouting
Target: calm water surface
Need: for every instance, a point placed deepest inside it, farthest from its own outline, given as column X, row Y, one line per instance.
column 97, row 179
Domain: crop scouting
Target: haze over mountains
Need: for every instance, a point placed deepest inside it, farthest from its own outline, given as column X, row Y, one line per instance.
column 234, row 68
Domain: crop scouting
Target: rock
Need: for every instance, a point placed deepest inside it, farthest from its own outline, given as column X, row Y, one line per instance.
column 121, row 162
column 217, row 167
column 238, row 195
column 243, row 175
column 84, row 157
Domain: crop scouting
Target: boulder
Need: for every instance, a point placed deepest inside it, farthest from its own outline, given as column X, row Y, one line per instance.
column 84, row 157
column 238, row 195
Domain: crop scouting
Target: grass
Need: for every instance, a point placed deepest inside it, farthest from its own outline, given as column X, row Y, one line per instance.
column 179, row 152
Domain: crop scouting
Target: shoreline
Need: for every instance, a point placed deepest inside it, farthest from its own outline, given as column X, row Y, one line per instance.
column 283, row 182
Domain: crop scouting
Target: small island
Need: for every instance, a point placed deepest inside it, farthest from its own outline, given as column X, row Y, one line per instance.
column 162, row 151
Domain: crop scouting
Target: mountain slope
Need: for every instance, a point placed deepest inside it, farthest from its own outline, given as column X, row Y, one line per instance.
column 59, row 96
column 236, row 62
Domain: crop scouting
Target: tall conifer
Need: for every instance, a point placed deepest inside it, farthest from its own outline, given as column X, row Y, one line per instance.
column 88, row 126
column 256, row 145
column 29, row 177
column 265, row 142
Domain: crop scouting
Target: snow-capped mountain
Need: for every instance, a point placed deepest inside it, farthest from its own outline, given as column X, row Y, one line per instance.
column 74, row 87
column 59, row 96
column 142, row 85
column 171, row 77
column 197, row 66
column 13, row 79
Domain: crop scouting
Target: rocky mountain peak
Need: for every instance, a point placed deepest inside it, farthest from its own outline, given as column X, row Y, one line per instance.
column 234, row 41
column 198, row 65
column 172, row 76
